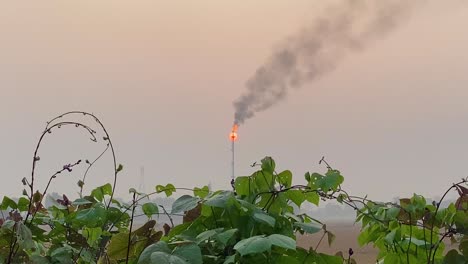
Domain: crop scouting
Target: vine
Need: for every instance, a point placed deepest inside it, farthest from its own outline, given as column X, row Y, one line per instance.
column 255, row 222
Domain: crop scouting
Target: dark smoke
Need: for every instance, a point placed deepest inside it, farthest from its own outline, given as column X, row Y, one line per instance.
column 317, row 49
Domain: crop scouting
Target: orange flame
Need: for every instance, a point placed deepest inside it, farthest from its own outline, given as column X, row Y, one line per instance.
column 233, row 134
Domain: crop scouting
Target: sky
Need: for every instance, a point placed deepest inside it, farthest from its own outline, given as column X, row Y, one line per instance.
column 162, row 77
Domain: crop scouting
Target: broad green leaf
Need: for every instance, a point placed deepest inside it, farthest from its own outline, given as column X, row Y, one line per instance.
column 252, row 245
column 8, row 203
column 62, row 255
column 331, row 181
column 219, row 199
column 183, row 254
column 393, row 258
column 92, row 217
column 101, row 191
column 463, row 247
column 230, row 259
column 453, row 257
column 282, row 241
column 24, row 236
column 184, row 203
column 114, row 215
column 178, row 229
column 201, row 192
column 8, row 224
column 293, row 216
column 23, row 204
column 243, row 185
column 265, row 218
column 312, row 197
column 191, row 253
column 92, row 235
column 81, row 201
column 392, row 213
column 168, row 189
column 390, row 237
column 162, row 257
column 225, row 236
column 150, row 209
column 202, row 237
column 296, row 196
column 310, row 228
column 283, row 259
column 268, row 164
column 263, row 181
column 285, row 178
column 145, row 257
column 327, row 259
column 315, row 180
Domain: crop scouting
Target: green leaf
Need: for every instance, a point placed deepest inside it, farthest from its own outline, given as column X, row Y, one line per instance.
column 390, row 237
column 282, row 241
column 160, row 253
column 184, row 203
column 81, row 201
column 92, row 235
column 8, row 203
column 312, row 197
column 101, row 191
column 268, row 164
column 296, row 196
column 230, row 259
column 201, row 192
column 150, row 209
column 243, row 185
column 453, row 257
column 327, row 259
column 392, row 213
column 262, row 217
column 8, row 224
column 23, row 204
column 393, row 258
column 202, row 237
column 190, row 253
column 92, row 217
column 283, row 259
column 310, row 228
column 168, row 189
column 285, row 178
column 314, row 180
column 24, row 236
column 263, row 181
column 161, row 257
column 252, row 245
column 225, row 236
column 331, row 181
column 219, row 199
column 145, row 257
column 62, row 255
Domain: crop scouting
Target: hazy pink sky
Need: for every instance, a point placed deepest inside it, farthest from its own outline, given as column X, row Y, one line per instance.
column 162, row 76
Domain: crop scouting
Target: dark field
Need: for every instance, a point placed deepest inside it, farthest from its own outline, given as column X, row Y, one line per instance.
column 346, row 237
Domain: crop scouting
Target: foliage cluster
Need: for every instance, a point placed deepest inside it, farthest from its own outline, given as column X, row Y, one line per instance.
column 255, row 222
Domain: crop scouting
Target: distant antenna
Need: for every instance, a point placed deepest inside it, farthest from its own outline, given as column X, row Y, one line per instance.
column 142, row 188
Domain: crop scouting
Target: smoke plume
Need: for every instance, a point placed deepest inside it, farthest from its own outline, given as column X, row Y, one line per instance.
column 317, row 49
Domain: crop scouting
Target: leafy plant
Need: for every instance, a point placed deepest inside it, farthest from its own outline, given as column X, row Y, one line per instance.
column 256, row 222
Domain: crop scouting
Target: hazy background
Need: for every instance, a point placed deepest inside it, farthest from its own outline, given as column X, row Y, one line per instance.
column 162, row 76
